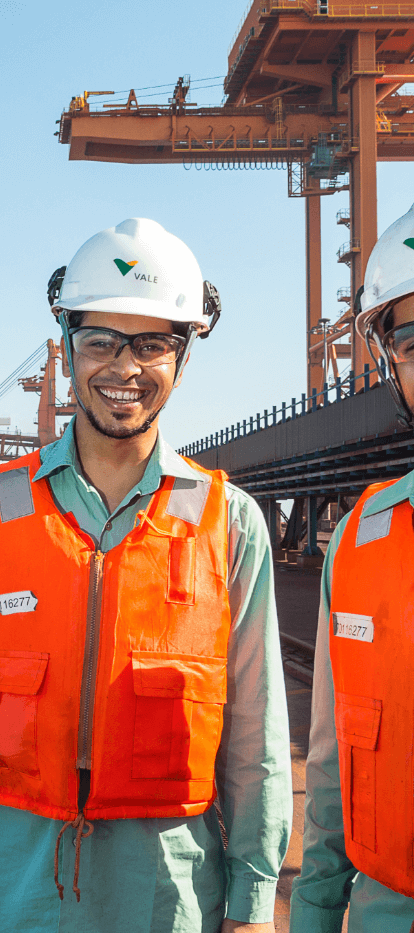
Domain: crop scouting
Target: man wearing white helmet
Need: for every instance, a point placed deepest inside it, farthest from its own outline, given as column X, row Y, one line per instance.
column 139, row 660
column 358, row 845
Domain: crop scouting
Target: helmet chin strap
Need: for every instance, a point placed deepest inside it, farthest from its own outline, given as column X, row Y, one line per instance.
column 185, row 353
column 404, row 415
column 64, row 323
column 182, row 359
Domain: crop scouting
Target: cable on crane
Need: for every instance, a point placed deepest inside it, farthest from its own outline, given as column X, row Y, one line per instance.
column 8, row 384
column 145, row 96
column 154, row 87
column 232, row 164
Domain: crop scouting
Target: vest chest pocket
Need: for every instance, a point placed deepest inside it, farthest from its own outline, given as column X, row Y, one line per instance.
column 179, row 714
column 181, row 571
column 357, row 722
column 21, row 676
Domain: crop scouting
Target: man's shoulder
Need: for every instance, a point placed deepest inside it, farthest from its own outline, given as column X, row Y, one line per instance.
column 27, row 460
column 244, row 511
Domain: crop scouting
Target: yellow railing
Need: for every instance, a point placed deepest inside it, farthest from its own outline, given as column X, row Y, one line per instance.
column 268, row 5
column 383, row 122
column 372, row 10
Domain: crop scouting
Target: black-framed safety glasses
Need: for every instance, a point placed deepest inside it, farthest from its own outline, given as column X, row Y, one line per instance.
column 399, row 342
column 104, row 345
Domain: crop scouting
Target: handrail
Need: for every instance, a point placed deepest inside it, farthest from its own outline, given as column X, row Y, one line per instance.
column 375, row 11
column 350, row 9
column 307, row 404
column 351, row 246
column 270, row 5
column 344, row 293
column 240, row 26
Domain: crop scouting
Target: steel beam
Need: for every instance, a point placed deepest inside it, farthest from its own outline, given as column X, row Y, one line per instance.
column 363, row 189
column 313, row 289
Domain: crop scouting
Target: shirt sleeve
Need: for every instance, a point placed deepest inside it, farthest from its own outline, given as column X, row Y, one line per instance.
column 321, row 892
column 253, row 763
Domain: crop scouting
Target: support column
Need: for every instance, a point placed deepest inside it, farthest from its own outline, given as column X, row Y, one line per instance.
column 311, row 555
column 47, row 409
column 363, row 179
column 312, row 517
column 274, row 524
column 313, row 289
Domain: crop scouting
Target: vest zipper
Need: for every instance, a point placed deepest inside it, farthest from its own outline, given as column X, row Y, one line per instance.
column 90, row 662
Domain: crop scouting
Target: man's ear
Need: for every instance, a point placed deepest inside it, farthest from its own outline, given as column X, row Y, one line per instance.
column 65, row 364
column 182, row 372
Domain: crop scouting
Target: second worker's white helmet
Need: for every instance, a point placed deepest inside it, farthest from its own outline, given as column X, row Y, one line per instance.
column 390, row 271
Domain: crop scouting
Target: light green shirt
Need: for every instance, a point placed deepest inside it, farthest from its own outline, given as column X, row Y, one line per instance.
column 171, row 875
column 328, row 880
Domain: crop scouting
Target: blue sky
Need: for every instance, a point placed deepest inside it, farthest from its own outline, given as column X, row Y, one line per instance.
column 247, row 236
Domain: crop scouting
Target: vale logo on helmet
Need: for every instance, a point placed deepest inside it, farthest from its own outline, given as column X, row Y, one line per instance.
column 125, row 267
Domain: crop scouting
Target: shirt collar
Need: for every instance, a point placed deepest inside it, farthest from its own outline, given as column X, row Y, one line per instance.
column 172, row 464
column 164, row 461
column 400, row 491
column 60, row 454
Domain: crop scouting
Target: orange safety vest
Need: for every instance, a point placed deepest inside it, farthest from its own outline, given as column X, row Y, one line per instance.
column 372, row 653
column 120, row 665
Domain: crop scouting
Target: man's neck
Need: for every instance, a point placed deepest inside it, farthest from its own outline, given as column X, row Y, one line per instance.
column 113, row 465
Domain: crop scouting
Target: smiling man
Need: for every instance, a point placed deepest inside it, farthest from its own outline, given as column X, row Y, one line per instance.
column 140, row 669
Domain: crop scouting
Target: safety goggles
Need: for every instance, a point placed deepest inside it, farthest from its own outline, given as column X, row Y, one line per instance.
column 400, row 343
column 104, row 345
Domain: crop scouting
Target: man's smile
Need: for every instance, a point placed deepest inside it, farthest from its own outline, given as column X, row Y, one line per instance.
column 128, row 399
column 126, row 395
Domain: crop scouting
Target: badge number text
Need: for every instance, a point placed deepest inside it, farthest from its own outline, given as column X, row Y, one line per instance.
column 24, row 601
column 351, row 625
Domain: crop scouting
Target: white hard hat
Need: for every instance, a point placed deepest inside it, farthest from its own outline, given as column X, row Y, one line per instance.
column 135, row 268
column 390, row 270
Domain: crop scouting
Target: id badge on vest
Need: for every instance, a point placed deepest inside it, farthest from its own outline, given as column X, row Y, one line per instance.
column 353, row 626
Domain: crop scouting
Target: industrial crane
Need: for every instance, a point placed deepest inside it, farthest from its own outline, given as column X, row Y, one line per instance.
column 50, row 407
column 312, row 85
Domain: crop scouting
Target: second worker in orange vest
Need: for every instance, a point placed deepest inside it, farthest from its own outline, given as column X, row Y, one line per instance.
column 359, row 838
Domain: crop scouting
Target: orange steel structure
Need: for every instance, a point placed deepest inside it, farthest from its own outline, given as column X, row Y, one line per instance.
column 312, row 85
column 17, row 445
column 45, row 386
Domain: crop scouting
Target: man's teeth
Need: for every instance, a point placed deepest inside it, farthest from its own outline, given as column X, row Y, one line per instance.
column 126, row 396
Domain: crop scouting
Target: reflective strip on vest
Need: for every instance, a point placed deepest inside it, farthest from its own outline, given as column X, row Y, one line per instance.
column 373, row 527
column 15, row 494
column 188, row 499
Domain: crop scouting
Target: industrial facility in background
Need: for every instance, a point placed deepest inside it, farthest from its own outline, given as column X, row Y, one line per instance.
column 312, row 85
column 50, row 406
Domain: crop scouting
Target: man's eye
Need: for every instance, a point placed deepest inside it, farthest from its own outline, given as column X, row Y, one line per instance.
column 405, row 348
column 99, row 342
column 153, row 347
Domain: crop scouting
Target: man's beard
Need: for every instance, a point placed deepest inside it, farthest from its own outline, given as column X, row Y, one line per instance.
column 119, row 433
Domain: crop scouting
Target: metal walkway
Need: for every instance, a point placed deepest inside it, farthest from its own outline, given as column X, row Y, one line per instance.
column 338, row 449
column 320, row 456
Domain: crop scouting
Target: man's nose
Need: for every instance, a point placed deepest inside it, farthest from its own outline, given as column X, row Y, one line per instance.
column 125, row 364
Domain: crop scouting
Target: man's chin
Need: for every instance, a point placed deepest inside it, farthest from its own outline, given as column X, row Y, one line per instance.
column 119, row 431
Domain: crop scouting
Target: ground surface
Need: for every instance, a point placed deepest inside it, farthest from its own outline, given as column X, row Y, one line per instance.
column 297, row 598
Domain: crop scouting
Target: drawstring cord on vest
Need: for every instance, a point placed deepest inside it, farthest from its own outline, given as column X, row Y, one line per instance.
column 78, row 823
column 143, row 517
